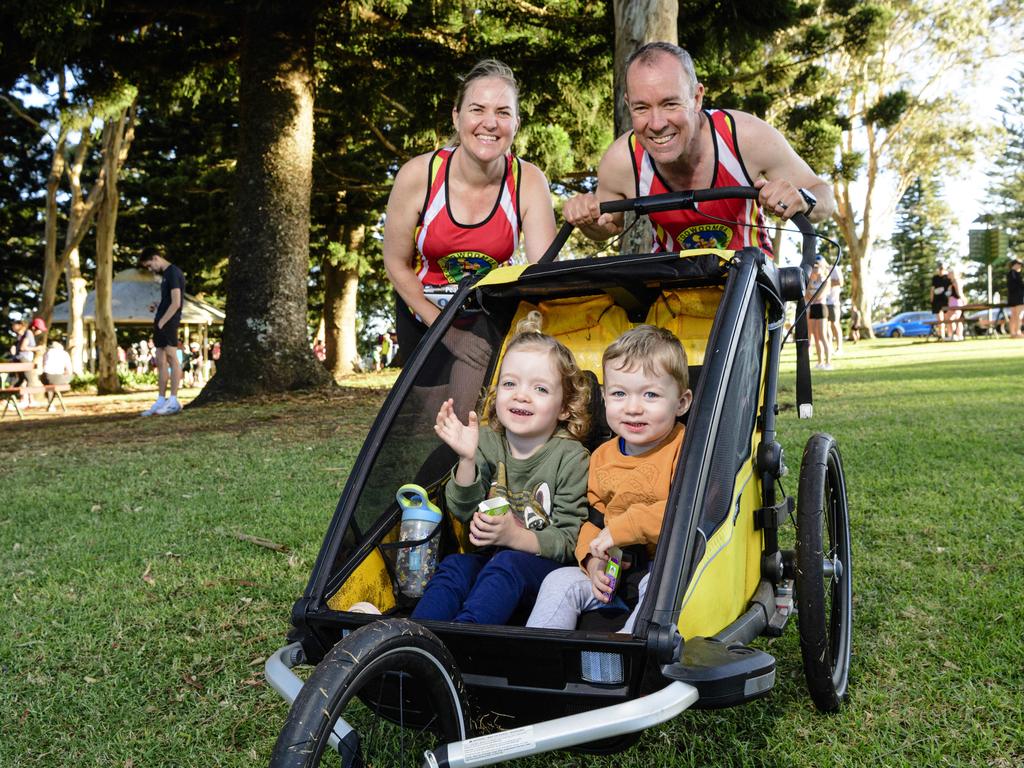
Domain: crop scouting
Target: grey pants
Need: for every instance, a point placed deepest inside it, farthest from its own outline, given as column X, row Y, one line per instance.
column 565, row 594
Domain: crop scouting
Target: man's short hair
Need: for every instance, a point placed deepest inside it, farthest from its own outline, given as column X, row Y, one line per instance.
column 149, row 253
column 648, row 54
column 1015, row 262
column 651, row 349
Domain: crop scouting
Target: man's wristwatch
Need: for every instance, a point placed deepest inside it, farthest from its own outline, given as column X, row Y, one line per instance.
column 809, row 198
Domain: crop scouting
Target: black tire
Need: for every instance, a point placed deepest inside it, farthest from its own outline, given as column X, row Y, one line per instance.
column 824, row 576
column 896, row 333
column 385, row 673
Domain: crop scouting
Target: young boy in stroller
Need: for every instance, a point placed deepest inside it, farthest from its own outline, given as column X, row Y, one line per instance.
column 646, row 388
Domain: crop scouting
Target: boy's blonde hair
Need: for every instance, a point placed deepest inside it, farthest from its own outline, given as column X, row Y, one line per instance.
column 575, row 385
column 651, row 349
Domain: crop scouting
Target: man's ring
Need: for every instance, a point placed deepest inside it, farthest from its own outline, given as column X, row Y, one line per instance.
column 782, row 205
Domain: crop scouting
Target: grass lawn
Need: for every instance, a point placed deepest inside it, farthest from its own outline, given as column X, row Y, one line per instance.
column 137, row 616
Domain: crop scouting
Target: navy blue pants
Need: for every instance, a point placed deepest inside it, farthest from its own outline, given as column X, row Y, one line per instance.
column 483, row 587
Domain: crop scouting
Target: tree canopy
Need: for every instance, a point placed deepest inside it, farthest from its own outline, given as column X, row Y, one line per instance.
column 855, row 85
column 920, row 241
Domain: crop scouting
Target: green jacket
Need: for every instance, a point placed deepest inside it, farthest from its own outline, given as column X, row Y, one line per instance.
column 547, row 492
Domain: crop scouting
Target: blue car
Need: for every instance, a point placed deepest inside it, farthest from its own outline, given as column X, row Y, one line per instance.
column 906, row 324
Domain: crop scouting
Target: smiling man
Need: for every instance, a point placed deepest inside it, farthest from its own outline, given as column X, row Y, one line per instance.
column 677, row 145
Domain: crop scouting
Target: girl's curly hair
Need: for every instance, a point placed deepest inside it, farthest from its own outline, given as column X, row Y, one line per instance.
column 575, row 385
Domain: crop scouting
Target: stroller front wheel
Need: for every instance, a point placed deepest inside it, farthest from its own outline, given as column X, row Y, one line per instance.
column 387, row 692
column 824, row 586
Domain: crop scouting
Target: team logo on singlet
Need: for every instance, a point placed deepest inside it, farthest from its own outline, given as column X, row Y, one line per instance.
column 456, row 266
column 704, row 236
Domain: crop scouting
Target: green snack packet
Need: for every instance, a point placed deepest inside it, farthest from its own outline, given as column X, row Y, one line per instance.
column 496, row 506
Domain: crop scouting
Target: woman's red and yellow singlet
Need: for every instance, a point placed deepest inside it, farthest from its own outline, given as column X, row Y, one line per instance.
column 447, row 251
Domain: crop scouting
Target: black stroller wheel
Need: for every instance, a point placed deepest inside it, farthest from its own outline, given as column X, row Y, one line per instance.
column 824, row 576
column 397, row 687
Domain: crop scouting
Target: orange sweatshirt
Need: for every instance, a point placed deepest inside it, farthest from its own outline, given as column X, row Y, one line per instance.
column 631, row 492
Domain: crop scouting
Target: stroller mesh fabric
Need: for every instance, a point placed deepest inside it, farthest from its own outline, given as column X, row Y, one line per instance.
column 733, row 444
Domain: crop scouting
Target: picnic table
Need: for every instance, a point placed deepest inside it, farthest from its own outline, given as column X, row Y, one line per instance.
column 11, row 395
column 971, row 324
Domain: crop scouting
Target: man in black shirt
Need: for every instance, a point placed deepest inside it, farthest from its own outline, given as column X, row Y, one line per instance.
column 1015, row 298
column 165, row 329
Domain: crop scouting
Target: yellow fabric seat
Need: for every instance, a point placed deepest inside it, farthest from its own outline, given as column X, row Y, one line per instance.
column 586, row 325
column 688, row 315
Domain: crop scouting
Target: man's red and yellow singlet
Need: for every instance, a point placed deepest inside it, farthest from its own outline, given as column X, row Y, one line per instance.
column 447, row 251
column 704, row 227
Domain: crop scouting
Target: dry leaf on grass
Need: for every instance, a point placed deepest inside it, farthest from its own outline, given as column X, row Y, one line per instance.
column 261, row 542
column 191, row 681
column 147, row 576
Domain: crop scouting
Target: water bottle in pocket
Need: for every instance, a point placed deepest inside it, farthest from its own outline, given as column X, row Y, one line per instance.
column 418, row 544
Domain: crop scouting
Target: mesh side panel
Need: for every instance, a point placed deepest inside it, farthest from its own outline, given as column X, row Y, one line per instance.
column 732, row 444
column 598, row 667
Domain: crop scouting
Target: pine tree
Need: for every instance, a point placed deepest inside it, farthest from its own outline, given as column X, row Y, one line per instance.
column 920, row 240
column 1006, row 186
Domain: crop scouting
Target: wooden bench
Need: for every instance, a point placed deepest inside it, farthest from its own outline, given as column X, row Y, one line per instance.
column 11, row 396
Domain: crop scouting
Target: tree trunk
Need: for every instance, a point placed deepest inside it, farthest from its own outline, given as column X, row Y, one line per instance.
column 858, row 252
column 265, row 345
column 341, row 284
column 638, row 22
column 78, row 292
column 81, row 212
column 53, row 265
column 80, row 218
column 860, row 294
column 117, row 137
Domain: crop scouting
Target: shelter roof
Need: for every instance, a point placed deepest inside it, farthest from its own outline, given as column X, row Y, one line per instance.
column 132, row 293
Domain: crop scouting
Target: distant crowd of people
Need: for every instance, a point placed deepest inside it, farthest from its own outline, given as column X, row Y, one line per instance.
column 824, row 301
column 948, row 299
column 196, row 370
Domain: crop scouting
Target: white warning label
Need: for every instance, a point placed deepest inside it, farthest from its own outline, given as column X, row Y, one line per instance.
column 500, row 745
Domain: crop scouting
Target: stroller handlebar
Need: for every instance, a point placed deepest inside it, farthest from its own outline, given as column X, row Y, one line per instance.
column 672, row 201
column 556, row 245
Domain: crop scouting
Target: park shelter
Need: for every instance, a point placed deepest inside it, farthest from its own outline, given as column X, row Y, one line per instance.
column 132, row 293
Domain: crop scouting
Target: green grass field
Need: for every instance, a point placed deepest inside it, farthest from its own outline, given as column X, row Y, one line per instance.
column 137, row 619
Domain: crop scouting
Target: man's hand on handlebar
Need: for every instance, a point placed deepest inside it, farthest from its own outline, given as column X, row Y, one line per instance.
column 584, row 211
column 780, row 198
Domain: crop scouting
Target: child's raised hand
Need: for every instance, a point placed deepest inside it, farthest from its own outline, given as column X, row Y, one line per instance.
column 461, row 438
column 600, row 584
column 601, row 543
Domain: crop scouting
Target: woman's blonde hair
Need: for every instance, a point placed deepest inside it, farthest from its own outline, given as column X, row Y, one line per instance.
column 575, row 385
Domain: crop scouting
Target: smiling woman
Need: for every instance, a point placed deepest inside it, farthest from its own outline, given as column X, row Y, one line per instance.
column 459, row 211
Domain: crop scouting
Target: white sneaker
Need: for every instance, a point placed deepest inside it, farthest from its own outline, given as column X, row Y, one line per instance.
column 819, row 366
column 169, row 408
column 826, row 367
column 363, row 607
column 151, row 411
